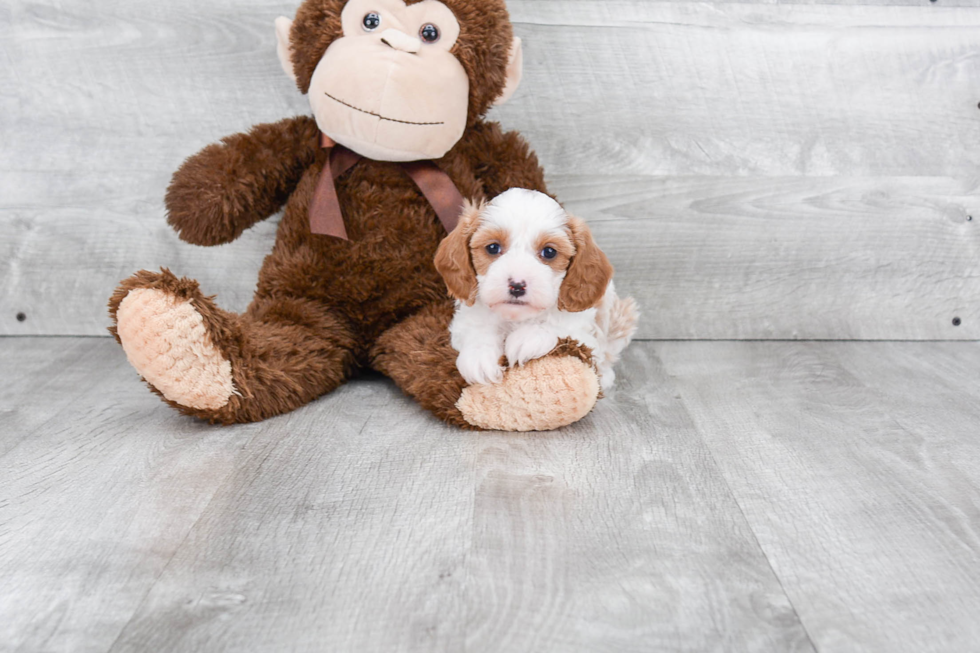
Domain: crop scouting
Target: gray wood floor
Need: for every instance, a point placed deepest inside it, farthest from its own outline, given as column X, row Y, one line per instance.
column 727, row 497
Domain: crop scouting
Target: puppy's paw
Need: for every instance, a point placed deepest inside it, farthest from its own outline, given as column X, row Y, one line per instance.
column 480, row 366
column 528, row 343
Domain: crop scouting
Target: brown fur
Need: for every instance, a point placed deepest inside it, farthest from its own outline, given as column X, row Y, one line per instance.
column 323, row 306
column 453, row 260
column 482, row 260
column 418, row 351
column 589, row 272
column 229, row 186
column 483, row 47
column 283, row 354
column 563, row 245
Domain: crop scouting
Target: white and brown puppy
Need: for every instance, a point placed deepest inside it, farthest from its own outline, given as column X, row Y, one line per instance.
column 526, row 274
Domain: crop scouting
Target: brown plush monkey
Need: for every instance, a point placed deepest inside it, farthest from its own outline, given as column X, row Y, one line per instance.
column 390, row 81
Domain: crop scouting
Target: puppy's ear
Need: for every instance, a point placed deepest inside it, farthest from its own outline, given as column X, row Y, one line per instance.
column 588, row 274
column 453, row 259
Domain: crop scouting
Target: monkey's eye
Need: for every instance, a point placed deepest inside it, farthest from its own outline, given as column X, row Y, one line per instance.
column 493, row 249
column 372, row 21
column 549, row 253
column 429, row 33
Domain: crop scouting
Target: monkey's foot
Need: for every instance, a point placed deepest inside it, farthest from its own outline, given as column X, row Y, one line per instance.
column 542, row 395
column 159, row 323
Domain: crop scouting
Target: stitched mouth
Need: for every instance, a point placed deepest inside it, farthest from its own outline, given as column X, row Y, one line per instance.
column 378, row 115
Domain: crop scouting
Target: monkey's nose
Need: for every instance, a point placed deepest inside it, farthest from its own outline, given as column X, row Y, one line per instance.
column 399, row 40
column 517, row 288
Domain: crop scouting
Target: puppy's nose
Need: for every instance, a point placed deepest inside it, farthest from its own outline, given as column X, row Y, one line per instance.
column 517, row 288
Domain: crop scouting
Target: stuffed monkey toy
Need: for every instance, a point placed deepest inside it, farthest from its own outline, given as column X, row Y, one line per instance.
column 370, row 184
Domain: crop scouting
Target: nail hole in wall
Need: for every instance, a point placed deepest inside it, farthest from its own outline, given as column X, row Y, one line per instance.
column 21, row 317
column 957, row 321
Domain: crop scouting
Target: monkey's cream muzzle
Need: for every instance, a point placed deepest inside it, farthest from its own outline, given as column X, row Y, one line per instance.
column 395, row 105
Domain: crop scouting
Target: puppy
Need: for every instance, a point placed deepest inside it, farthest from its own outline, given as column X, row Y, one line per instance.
column 526, row 274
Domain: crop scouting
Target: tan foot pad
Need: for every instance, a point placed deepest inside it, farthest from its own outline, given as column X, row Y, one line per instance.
column 543, row 395
column 166, row 341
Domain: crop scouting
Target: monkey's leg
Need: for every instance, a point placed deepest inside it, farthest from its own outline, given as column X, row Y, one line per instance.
column 223, row 367
column 542, row 395
column 545, row 394
column 417, row 355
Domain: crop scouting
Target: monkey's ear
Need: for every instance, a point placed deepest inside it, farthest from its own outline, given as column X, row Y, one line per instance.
column 515, row 71
column 284, row 48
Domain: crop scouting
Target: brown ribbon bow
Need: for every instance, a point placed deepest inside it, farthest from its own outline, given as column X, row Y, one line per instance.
column 326, row 218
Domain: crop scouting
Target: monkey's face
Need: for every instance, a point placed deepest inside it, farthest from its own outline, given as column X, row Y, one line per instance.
column 390, row 86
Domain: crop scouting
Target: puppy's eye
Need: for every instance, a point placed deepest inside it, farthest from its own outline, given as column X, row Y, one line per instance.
column 493, row 249
column 549, row 253
column 372, row 21
column 429, row 33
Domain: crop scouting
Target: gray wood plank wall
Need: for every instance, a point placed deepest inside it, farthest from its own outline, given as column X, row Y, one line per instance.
column 755, row 170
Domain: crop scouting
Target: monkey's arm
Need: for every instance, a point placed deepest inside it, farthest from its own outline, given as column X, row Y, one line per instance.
column 503, row 160
column 229, row 186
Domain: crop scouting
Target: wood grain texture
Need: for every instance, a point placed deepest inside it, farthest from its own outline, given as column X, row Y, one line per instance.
column 726, row 496
column 856, row 465
column 99, row 485
column 794, row 171
column 791, row 258
column 40, row 377
column 617, row 534
column 717, row 258
column 850, row 3
column 747, row 89
column 637, row 87
column 361, row 524
column 345, row 529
